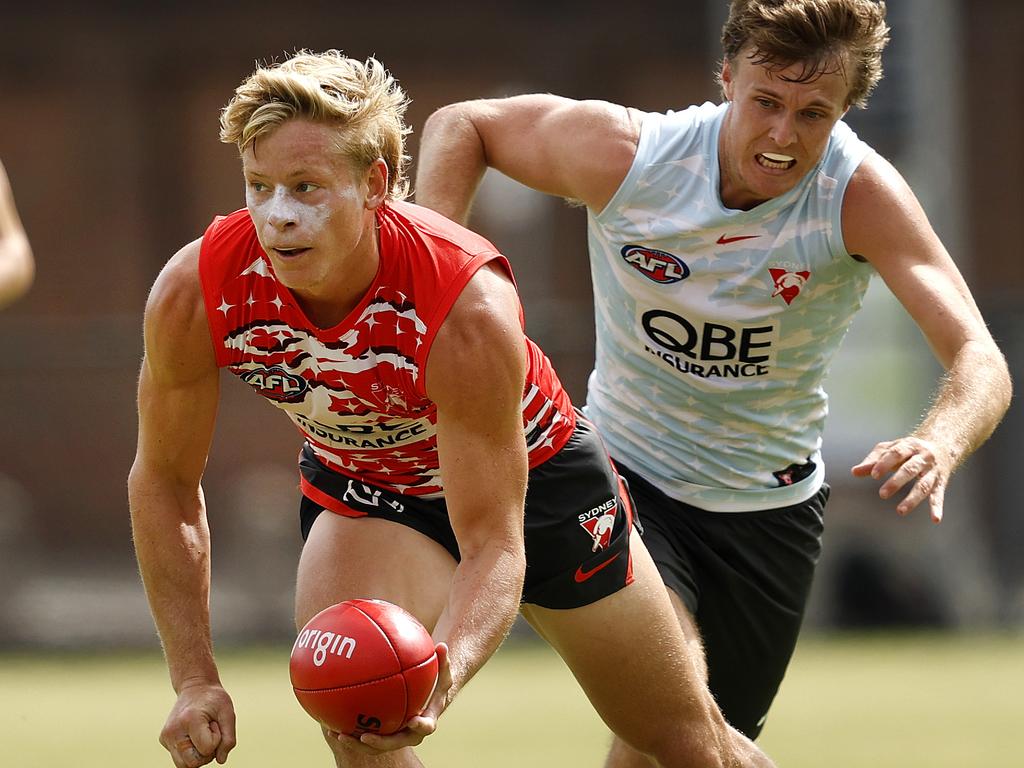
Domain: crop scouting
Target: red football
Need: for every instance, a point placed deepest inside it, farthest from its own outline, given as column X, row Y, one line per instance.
column 363, row 665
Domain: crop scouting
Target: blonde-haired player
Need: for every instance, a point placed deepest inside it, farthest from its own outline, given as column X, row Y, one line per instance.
column 444, row 468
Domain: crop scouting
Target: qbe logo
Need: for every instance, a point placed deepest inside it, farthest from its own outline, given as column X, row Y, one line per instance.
column 657, row 266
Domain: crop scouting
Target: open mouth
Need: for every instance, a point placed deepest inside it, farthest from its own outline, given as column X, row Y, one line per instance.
column 287, row 253
column 775, row 162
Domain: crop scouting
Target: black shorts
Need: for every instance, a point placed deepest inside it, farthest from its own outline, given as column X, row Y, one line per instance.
column 745, row 577
column 577, row 522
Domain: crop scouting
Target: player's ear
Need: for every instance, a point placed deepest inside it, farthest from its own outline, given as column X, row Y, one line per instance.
column 376, row 183
column 726, row 79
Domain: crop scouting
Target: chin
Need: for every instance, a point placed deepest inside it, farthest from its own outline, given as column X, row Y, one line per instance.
column 776, row 186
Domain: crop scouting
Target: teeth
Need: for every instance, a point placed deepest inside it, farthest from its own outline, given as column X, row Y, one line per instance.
column 777, row 158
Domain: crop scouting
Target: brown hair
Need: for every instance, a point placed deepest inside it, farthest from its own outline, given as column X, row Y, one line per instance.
column 361, row 98
column 823, row 35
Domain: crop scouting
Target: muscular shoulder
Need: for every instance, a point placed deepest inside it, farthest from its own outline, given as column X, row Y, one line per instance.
column 604, row 137
column 176, row 333
column 880, row 211
column 485, row 312
column 481, row 345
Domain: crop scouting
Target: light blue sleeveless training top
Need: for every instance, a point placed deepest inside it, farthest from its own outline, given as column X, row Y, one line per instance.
column 715, row 327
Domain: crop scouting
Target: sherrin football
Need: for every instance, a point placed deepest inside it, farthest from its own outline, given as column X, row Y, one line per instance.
column 363, row 666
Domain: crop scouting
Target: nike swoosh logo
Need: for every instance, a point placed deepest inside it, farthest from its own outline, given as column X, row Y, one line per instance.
column 582, row 575
column 723, row 240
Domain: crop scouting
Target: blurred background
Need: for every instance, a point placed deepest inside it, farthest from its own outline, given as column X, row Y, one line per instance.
column 108, row 130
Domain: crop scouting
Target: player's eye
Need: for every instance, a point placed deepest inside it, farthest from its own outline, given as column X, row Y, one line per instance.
column 305, row 186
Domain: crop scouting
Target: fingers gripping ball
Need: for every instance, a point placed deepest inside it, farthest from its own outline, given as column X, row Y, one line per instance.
column 363, row 666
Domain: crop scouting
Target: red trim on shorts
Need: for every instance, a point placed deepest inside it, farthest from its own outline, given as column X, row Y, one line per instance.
column 325, row 500
column 627, row 504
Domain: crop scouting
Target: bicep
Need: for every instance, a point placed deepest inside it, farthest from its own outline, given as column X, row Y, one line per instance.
column 179, row 382
column 176, row 423
column 884, row 222
column 475, row 376
column 574, row 149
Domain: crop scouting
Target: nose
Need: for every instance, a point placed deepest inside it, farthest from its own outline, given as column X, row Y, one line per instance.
column 281, row 213
column 783, row 131
column 280, row 220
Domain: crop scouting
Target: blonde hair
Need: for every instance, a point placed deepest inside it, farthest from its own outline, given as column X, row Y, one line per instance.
column 824, row 36
column 361, row 98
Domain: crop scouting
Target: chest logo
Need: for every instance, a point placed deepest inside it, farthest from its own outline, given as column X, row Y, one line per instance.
column 723, row 240
column 658, row 266
column 788, row 284
column 388, row 396
column 276, row 383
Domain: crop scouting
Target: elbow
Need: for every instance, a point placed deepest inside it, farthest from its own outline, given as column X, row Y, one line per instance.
column 449, row 113
column 987, row 365
column 451, row 126
column 21, row 271
column 441, row 121
column 1007, row 389
column 156, row 494
column 1003, row 383
column 27, row 273
column 459, row 120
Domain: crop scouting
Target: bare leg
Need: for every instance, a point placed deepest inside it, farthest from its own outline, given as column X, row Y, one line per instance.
column 346, row 558
column 621, row 755
column 644, row 676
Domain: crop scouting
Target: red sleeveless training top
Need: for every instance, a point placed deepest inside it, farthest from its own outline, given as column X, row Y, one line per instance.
column 355, row 391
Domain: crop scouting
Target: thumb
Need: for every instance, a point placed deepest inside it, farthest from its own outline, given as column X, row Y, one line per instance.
column 935, row 503
column 441, row 649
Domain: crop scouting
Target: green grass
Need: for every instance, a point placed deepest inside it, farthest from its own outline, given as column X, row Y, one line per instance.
column 901, row 701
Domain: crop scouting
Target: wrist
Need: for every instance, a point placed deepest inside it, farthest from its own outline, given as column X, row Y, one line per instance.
column 195, row 678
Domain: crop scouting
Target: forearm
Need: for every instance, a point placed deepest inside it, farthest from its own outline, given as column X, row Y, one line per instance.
column 482, row 604
column 452, row 161
column 971, row 400
column 172, row 545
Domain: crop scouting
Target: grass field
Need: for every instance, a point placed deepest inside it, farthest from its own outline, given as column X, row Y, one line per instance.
column 943, row 701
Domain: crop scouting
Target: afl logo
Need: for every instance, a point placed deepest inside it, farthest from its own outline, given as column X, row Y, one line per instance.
column 659, row 266
column 276, row 383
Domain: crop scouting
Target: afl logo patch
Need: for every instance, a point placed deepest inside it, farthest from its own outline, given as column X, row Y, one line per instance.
column 276, row 383
column 658, row 266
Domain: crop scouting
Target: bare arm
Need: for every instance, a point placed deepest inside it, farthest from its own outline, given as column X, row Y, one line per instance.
column 17, row 268
column 574, row 149
column 476, row 375
column 883, row 221
column 178, row 393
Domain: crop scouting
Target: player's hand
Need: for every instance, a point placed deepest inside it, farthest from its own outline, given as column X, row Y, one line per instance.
column 201, row 726
column 419, row 727
column 909, row 460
